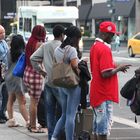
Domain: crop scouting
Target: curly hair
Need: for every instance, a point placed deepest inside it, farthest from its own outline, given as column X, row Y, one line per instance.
column 17, row 47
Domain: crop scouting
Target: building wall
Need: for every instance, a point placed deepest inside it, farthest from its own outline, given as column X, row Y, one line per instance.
column 7, row 13
column 131, row 27
column 137, row 20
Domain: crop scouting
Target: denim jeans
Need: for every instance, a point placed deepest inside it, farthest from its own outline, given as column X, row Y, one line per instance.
column 4, row 98
column 52, row 105
column 70, row 99
column 103, row 118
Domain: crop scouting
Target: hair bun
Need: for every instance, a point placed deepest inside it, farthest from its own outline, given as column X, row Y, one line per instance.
column 72, row 31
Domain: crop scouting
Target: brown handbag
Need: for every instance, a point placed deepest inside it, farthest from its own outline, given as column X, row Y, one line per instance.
column 63, row 75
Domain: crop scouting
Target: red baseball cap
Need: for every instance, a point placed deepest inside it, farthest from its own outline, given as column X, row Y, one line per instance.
column 108, row 27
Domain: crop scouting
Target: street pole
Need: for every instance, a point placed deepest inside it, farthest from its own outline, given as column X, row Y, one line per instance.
column 65, row 2
column 51, row 2
column 78, row 3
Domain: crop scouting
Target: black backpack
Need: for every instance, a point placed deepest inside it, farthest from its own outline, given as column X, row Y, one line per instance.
column 129, row 88
column 135, row 103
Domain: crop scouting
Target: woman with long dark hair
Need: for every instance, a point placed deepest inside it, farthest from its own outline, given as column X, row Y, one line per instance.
column 33, row 79
column 15, row 84
column 70, row 97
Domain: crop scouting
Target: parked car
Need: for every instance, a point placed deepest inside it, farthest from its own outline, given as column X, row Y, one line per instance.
column 134, row 45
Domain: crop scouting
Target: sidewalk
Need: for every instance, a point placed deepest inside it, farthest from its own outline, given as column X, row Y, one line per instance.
column 119, row 131
column 19, row 133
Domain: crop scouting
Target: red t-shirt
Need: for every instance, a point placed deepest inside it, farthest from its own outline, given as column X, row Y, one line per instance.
column 102, row 89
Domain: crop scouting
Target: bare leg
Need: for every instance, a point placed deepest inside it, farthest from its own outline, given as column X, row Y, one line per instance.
column 10, row 103
column 22, row 106
column 33, row 111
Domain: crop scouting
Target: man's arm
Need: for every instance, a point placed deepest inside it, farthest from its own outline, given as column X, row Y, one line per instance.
column 109, row 73
column 37, row 59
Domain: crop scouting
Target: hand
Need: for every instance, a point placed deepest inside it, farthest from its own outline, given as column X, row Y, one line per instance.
column 85, row 59
column 43, row 73
column 123, row 68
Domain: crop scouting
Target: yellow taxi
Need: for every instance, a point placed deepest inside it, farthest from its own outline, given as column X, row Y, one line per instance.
column 134, row 45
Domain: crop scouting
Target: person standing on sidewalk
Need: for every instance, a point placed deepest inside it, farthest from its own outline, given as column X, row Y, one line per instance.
column 117, row 42
column 67, row 52
column 15, row 84
column 33, row 80
column 45, row 54
column 3, row 61
column 104, row 83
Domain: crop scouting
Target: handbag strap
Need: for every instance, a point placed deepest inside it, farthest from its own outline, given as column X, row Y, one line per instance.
column 65, row 52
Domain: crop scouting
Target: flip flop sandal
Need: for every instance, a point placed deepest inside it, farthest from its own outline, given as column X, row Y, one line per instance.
column 37, row 131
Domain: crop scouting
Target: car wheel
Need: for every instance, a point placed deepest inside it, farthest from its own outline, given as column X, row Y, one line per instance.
column 130, row 52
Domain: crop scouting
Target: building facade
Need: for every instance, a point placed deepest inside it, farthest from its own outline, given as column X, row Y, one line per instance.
column 126, row 15
column 7, row 13
column 91, row 12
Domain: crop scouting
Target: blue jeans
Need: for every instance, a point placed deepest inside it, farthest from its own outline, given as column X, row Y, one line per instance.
column 4, row 99
column 52, row 105
column 70, row 99
column 103, row 118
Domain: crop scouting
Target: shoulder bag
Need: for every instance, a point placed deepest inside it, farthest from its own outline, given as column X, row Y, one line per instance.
column 20, row 66
column 63, row 75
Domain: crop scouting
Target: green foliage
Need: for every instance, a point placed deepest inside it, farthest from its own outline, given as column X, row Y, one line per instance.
column 86, row 33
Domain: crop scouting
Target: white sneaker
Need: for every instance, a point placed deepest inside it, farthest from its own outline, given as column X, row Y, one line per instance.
column 12, row 123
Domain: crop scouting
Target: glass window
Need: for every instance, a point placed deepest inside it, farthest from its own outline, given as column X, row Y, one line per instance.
column 27, row 24
column 137, row 37
column 20, row 23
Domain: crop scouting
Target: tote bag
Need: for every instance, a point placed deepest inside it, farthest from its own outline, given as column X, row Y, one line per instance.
column 20, row 66
column 63, row 74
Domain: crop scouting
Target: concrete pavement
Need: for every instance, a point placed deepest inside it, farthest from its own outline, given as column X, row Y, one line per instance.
column 122, row 129
column 19, row 133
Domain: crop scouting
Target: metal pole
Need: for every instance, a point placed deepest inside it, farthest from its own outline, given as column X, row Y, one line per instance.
column 113, row 11
column 111, row 5
column 51, row 2
column 65, row 2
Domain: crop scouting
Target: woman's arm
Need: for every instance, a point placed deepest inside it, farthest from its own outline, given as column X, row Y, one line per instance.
column 74, row 64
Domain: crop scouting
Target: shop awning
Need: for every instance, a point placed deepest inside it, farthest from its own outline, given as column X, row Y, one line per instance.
column 84, row 11
column 122, row 8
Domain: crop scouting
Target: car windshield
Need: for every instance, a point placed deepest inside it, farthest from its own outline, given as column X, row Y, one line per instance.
column 49, row 26
column 137, row 37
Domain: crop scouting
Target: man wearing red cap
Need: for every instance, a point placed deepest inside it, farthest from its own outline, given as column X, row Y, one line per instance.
column 104, row 83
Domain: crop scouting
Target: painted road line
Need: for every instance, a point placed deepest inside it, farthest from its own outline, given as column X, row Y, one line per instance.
column 116, row 58
column 126, row 122
column 124, row 138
